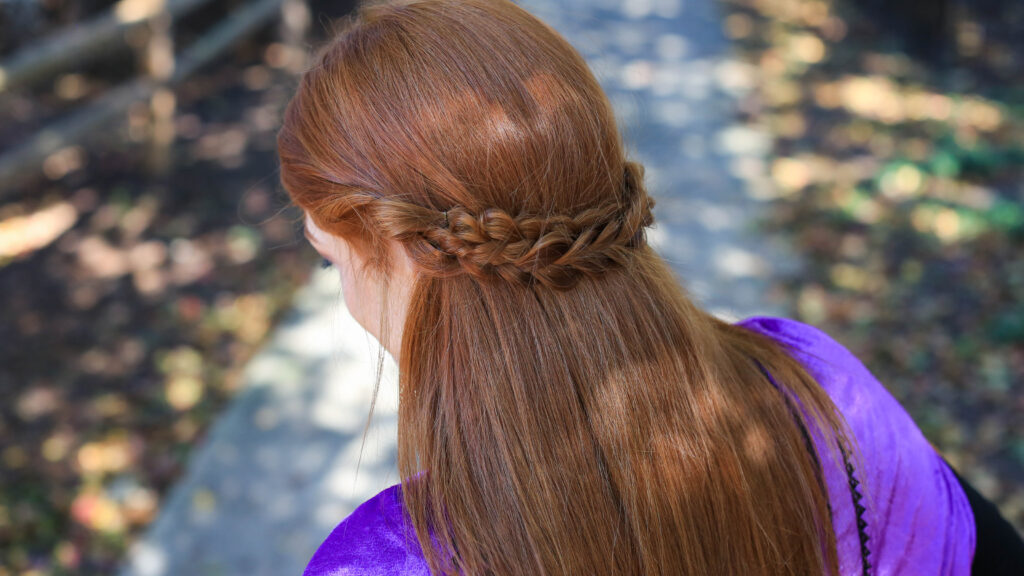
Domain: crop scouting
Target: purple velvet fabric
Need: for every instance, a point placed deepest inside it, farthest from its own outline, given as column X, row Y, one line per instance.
column 918, row 518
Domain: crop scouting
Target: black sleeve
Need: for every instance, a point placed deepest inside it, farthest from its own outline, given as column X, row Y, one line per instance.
column 1000, row 549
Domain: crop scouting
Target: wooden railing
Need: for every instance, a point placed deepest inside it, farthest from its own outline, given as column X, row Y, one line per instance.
column 160, row 68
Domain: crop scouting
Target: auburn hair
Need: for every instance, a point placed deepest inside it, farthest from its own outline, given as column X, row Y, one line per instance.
column 564, row 407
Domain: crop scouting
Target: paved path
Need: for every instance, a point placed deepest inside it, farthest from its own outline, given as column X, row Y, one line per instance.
column 278, row 470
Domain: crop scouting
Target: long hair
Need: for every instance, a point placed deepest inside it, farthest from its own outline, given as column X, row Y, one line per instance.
column 564, row 407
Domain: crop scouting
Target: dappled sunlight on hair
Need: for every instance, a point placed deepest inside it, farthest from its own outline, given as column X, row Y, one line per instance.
column 553, row 372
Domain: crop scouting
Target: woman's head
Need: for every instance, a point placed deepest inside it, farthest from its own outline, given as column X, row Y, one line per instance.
column 420, row 107
column 574, row 411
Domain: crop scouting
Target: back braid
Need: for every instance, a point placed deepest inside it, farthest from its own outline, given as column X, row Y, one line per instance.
column 555, row 250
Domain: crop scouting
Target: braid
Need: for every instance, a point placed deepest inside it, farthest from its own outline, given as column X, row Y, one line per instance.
column 555, row 250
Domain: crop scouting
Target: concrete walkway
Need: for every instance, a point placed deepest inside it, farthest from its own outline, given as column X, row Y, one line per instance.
column 278, row 470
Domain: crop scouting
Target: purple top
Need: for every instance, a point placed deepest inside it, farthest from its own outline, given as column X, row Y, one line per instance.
column 918, row 518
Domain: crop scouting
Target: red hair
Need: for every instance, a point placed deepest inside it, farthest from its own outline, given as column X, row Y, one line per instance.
column 575, row 412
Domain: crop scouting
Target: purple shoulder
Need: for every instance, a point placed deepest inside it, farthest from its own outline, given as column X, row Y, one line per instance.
column 803, row 338
column 835, row 367
column 851, row 385
column 917, row 515
column 374, row 540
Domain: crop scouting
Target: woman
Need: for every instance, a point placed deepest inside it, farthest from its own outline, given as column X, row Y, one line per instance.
column 564, row 407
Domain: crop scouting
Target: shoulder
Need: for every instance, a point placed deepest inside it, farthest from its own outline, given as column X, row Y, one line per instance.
column 374, row 540
column 917, row 516
column 802, row 338
column 841, row 373
column 874, row 415
column 857, row 393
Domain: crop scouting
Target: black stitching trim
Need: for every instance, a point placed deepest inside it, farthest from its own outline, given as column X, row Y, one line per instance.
column 861, row 523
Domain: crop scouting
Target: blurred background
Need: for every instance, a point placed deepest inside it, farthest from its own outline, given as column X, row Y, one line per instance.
column 182, row 390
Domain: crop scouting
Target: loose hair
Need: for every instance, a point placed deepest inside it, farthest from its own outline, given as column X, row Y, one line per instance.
column 564, row 407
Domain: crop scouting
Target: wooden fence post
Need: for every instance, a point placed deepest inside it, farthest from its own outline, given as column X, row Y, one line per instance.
column 157, row 62
column 295, row 22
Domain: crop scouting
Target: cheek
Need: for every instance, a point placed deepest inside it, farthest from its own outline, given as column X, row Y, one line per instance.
column 350, row 292
column 349, row 285
column 357, row 294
